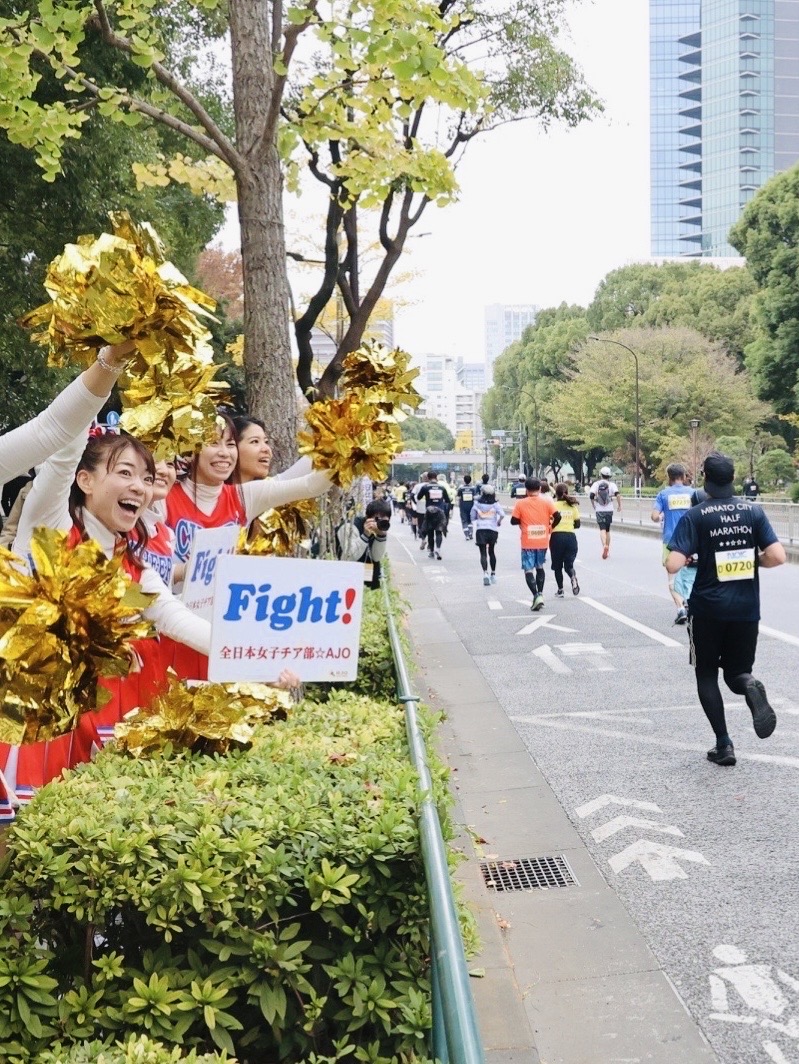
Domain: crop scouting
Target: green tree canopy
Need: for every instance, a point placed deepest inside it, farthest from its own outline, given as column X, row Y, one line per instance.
column 717, row 303
column 682, row 375
column 768, row 235
column 426, row 434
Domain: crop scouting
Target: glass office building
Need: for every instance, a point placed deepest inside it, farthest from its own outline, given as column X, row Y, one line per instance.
column 725, row 114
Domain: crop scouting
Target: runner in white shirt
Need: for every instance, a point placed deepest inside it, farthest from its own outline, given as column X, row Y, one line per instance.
column 604, row 494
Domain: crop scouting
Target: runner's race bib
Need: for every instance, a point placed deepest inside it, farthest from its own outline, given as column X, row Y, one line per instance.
column 679, row 502
column 536, row 531
column 467, row 496
column 735, row 564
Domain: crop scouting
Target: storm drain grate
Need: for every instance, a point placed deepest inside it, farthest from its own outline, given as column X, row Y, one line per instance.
column 527, row 873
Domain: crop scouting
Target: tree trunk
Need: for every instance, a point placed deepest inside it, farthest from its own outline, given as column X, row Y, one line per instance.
column 267, row 350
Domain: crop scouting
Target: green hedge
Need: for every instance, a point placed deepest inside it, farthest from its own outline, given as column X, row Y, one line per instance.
column 270, row 902
column 141, row 1050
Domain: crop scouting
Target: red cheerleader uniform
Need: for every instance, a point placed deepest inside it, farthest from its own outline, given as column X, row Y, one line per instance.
column 139, row 688
column 183, row 517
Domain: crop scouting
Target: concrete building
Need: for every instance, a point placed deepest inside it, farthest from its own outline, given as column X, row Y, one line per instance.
column 443, row 382
column 724, row 101
column 504, row 324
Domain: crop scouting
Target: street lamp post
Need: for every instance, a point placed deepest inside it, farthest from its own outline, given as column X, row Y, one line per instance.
column 618, row 343
column 535, row 423
column 694, row 423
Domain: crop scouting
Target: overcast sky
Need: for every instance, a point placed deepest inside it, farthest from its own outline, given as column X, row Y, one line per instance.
column 541, row 217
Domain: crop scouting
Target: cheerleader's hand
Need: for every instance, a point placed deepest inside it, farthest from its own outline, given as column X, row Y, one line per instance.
column 288, row 680
column 135, row 661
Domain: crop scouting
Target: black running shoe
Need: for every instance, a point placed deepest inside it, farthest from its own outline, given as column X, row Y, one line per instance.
column 764, row 718
column 722, row 756
column 575, row 586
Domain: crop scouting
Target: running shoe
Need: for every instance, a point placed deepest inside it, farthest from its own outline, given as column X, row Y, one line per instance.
column 430, row 554
column 722, row 755
column 605, row 552
column 764, row 718
column 559, row 593
column 682, row 616
column 438, row 557
column 493, row 578
column 486, row 580
column 575, row 586
column 538, row 603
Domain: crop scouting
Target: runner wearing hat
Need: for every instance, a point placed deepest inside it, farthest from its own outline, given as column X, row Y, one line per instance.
column 603, row 493
column 732, row 539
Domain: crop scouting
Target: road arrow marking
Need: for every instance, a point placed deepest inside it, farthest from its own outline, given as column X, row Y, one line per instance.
column 494, row 604
column 543, row 621
column 593, row 655
column 596, row 804
column 658, row 861
column 550, row 658
column 619, row 823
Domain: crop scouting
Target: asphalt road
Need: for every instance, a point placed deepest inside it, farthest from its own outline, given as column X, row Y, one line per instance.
column 705, row 859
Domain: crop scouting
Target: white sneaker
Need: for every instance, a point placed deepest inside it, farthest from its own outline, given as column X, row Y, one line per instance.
column 486, row 580
column 493, row 578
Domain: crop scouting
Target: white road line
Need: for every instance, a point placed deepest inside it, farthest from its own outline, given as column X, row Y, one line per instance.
column 783, row 637
column 550, row 658
column 642, row 628
column 495, row 604
column 399, row 541
column 653, row 740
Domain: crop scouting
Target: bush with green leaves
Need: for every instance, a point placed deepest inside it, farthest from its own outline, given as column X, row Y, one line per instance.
column 270, row 902
column 141, row 1050
column 376, row 677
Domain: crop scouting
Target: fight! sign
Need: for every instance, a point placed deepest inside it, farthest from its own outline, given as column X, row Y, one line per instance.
column 208, row 545
column 272, row 614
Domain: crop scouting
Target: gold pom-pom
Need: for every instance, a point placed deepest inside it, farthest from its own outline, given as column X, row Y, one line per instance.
column 280, row 532
column 350, row 438
column 209, row 718
column 386, row 374
column 62, row 627
column 359, row 434
column 120, row 287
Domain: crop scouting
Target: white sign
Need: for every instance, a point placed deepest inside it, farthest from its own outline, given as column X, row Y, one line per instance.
column 198, row 583
column 272, row 614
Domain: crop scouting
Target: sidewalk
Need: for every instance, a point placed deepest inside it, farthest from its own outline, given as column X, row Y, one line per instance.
column 568, row 977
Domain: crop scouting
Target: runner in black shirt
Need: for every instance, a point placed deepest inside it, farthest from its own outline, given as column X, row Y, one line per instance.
column 435, row 498
column 466, row 497
column 732, row 539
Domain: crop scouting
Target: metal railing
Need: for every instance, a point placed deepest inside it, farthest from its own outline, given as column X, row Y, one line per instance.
column 456, row 1038
column 784, row 516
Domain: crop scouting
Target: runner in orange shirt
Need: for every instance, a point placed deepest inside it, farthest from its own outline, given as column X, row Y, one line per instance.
column 536, row 516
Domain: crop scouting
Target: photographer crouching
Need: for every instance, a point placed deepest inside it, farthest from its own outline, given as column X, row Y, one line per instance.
column 364, row 538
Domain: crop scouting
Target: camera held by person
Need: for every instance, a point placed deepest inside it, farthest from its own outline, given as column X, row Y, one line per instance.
column 363, row 539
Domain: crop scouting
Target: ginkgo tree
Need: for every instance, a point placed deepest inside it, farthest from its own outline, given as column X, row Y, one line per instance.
column 376, row 97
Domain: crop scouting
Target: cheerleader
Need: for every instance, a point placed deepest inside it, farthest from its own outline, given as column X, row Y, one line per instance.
column 69, row 415
column 206, row 499
column 111, row 492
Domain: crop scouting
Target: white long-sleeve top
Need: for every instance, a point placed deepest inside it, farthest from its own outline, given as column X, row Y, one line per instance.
column 260, row 495
column 48, row 505
column 68, row 416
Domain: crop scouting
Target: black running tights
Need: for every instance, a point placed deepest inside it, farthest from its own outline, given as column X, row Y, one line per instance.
column 487, row 554
column 434, row 534
column 707, row 685
column 535, row 580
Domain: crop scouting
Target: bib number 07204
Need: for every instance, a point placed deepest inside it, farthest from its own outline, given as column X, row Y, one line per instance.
column 735, row 564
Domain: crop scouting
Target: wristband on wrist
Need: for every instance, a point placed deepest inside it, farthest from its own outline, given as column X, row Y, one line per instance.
column 109, row 367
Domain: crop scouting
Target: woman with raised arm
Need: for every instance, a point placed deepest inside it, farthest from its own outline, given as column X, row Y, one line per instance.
column 69, row 414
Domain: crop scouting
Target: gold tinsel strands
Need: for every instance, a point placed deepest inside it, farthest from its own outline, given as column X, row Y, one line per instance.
column 359, row 434
column 61, row 629
column 119, row 286
column 280, row 532
column 209, row 718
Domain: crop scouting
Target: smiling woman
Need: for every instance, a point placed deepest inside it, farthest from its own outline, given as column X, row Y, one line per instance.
column 255, row 453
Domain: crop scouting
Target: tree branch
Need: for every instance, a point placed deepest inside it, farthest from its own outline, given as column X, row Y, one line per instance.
column 290, row 37
column 225, row 148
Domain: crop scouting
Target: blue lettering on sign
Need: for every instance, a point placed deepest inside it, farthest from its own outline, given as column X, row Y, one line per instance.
column 280, row 612
column 205, row 566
